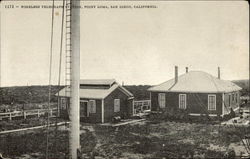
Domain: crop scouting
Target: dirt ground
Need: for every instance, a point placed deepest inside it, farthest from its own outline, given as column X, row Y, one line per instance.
column 147, row 139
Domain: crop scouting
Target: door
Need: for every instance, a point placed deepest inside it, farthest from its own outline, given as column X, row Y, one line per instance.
column 84, row 109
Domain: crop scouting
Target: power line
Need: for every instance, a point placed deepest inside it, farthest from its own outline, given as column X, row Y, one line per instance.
column 50, row 70
column 59, row 72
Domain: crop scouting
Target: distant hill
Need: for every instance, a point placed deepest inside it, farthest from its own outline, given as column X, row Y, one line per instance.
column 39, row 94
column 139, row 91
column 244, row 84
column 27, row 94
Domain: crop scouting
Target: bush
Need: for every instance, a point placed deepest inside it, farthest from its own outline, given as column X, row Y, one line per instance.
column 230, row 115
column 171, row 114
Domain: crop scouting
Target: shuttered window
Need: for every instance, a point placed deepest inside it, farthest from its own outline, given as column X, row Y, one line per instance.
column 211, row 102
column 116, row 105
column 92, row 106
column 162, row 100
column 182, row 101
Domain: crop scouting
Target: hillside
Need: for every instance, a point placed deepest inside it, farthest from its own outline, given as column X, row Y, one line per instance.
column 39, row 94
column 27, row 94
column 244, row 84
column 139, row 91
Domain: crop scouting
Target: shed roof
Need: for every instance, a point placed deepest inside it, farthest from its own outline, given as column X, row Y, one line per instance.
column 97, row 93
column 196, row 81
column 97, row 81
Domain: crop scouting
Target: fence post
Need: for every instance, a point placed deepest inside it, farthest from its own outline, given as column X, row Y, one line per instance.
column 24, row 115
column 51, row 112
column 38, row 113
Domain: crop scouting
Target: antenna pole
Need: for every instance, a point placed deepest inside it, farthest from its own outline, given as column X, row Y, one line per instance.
column 74, row 138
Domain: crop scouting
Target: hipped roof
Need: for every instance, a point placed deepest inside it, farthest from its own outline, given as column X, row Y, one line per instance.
column 196, row 81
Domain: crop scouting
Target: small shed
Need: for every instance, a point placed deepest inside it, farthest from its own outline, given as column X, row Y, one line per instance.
column 100, row 101
column 196, row 92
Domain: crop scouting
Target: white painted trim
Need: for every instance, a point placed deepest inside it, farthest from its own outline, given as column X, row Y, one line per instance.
column 196, row 114
column 235, row 109
column 185, row 106
column 211, row 95
column 82, row 100
column 125, row 91
column 192, row 91
column 102, row 110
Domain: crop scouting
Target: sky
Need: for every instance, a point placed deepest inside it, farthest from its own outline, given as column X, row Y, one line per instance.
column 133, row 45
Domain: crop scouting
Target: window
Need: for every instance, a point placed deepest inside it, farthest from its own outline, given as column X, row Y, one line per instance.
column 116, row 105
column 162, row 100
column 182, row 101
column 211, row 102
column 233, row 97
column 92, row 106
column 63, row 103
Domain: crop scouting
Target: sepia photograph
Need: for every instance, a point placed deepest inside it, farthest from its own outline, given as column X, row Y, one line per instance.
column 129, row 79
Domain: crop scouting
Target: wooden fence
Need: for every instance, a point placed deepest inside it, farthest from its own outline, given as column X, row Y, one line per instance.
column 26, row 113
column 142, row 106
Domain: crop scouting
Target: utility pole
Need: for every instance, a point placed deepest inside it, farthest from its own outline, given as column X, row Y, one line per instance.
column 74, row 136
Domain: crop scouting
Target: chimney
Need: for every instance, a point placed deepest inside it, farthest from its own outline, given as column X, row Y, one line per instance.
column 186, row 69
column 176, row 74
column 218, row 72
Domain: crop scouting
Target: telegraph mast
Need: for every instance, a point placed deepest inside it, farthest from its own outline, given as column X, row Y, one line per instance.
column 74, row 135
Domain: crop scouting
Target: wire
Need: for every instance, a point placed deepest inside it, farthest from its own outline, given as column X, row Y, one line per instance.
column 50, row 70
column 59, row 74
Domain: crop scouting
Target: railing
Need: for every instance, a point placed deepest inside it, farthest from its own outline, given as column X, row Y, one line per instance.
column 142, row 106
column 26, row 113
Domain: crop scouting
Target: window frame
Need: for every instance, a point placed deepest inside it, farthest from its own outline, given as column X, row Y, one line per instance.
column 208, row 103
column 185, row 101
column 115, row 105
column 160, row 101
column 63, row 103
column 92, row 110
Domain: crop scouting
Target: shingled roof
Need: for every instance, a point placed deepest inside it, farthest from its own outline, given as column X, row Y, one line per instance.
column 196, row 81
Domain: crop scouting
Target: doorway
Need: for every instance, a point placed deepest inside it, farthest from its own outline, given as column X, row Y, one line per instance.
column 84, row 109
